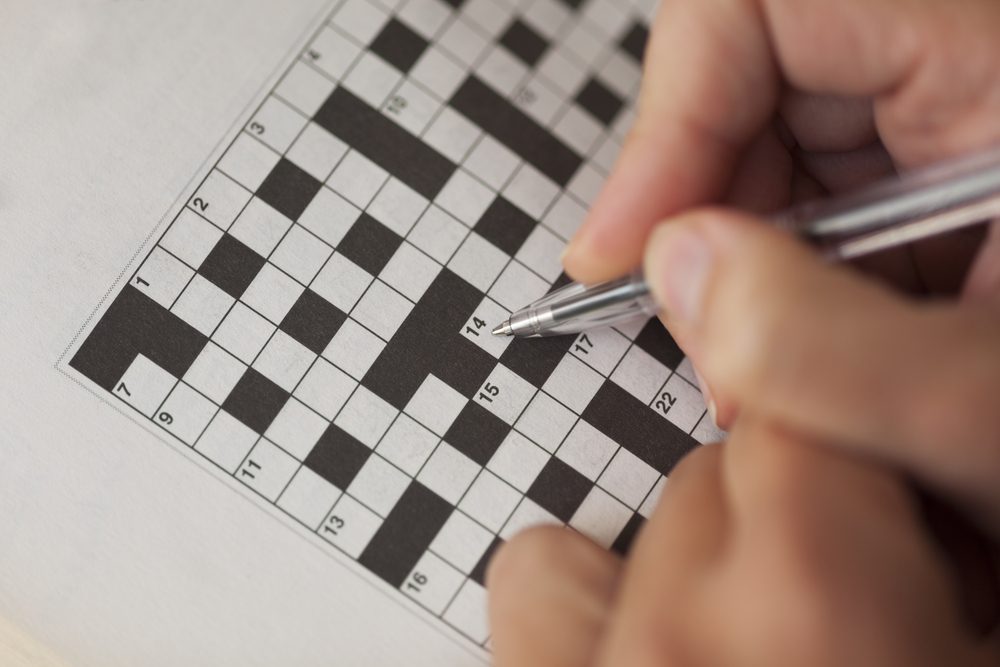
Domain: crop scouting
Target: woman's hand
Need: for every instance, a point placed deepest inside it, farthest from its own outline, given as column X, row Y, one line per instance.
column 765, row 551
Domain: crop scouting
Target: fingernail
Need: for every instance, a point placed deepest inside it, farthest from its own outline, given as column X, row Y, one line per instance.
column 678, row 264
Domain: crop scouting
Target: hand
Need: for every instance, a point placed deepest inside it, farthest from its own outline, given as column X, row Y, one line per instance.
column 765, row 551
column 754, row 103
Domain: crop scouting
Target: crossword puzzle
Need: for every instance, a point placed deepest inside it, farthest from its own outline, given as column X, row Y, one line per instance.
column 315, row 321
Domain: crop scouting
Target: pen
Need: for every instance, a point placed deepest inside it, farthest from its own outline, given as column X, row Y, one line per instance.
column 914, row 206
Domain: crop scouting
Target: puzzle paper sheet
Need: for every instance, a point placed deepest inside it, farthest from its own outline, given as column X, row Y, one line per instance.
column 315, row 320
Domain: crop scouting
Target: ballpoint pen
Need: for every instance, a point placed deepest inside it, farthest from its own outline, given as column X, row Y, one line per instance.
column 915, row 206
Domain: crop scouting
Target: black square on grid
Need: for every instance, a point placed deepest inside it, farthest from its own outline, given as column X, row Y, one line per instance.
column 600, row 102
column 559, row 489
column 572, row 4
column 457, row 4
column 288, row 189
column 313, row 321
column 369, row 244
column 524, row 42
column 398, row 45
column 255, row 401
column 635, row 40
column 478, row 573
column 505, row 226
column 477, row 433
column 337, row 457
column 655, row 341
column 623, row 544
column 231, row 266
column 536, row 359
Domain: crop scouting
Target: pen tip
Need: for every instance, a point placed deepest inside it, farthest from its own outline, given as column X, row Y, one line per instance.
column 503, row 330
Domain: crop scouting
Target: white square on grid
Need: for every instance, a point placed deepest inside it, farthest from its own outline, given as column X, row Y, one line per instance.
column 325, row 389
column 607, row 154
column 248, row 162
column 145, row 385
column 681, row 403
column 632, row 328
column 272, row 293
column 215, row 372
column 489, row 15
column 546, row 422
column 686, row 370
column 465, row 43
column 243, row 333
column 308, row 497
column 162, row 277
column 438, row 73
column 407, row 445
column 350, row 526
column 267, row 470
column 448, row 473
column 462, row 542
column 433, row 583
column 435, row 405
column 366, row 416
column 707, row 432
column 640, row 375
column 357, row 179
column 284, row 360
column 587, row 450
column 397, row 206
column 492, row 161
column 418, row 111
column 539, row 99
column 601, row 349
column 587, row 184
column 276, row 124
column 410, row 272
column 563, row 70
column 378, row 485
column 190, row 413
column 465, row 197
column 578, row 130
column 219, row 199
column 565, row 217
column 531, row 191
column 624, row 124
column 202, row 305
column 341, row 282
column 329, row 216
column 601, row 518
column 301, row 254
column 354, row 349
column 621, row 75
column 296, row 429
column 541, row 252
column 452, row 134
column 317, row 152
column 226, row 441
column 573, row 383
column 585, row 42
column 372, row 79
column 546, row 16
column 517, row 286
column 360, row 19
column 490, row 501
column 477, row 330
column 260, row 227
column 305, row 89
column 425, row 16
column 609, row 16
column 382, row 309
column 438, row 234
column 190, row 238
column 518, row 461
column 628, row 478
column 505, row 394
column 468, row 611
column 501, row 70
column 334, row 52
column 527, row 515
column 653, row 499
column 479, row 262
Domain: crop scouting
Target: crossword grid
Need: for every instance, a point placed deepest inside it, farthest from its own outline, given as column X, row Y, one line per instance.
column 316, row 320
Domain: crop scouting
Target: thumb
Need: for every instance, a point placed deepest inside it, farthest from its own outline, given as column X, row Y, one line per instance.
column 778, row 332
